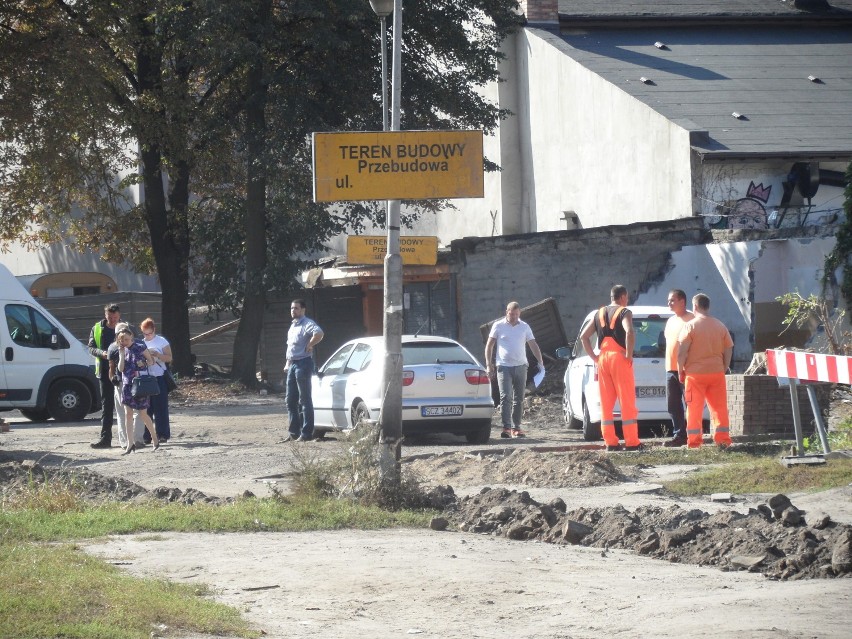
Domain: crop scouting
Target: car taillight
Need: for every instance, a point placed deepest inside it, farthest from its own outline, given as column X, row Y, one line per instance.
column 407, row 378
column 476, row 376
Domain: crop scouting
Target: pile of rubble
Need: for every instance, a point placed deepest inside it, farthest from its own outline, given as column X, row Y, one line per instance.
column 773, row 539
column 575, row 469
column 18, row 477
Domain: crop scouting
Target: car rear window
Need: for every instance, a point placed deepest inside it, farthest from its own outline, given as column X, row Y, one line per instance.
column 434, row 353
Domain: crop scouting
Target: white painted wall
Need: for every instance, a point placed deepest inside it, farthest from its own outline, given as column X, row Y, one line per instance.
column 592, row 148
column 721, row 271
column 58, row 258
column 738, row 276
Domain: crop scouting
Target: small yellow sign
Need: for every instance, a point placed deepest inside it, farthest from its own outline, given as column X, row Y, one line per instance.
column 371, row 249
column 397, row 165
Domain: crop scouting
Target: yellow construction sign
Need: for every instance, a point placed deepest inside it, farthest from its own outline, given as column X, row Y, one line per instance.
column 397, row 165
column 371, row 249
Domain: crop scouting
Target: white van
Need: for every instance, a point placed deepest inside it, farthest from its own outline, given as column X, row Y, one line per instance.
column 44, row 370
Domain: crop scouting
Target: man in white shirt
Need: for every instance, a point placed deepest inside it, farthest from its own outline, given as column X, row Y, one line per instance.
column 510, row 336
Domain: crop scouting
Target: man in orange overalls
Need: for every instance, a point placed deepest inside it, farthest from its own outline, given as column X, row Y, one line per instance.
column 704, row 354
column 614, row 327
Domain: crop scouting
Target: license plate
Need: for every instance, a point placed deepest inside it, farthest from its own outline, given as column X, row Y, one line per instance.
column 440, row 411
column 650, row 391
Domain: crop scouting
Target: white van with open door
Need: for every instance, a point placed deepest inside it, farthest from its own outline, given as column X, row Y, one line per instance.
column 44, row 370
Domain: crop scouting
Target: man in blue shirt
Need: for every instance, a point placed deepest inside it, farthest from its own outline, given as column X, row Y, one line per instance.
column 303, row 335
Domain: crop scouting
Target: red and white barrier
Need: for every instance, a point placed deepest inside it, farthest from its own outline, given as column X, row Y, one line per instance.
column 814, row 367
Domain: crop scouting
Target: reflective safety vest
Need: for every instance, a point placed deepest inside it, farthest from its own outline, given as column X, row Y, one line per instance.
column 97, row 329
column 611, row 326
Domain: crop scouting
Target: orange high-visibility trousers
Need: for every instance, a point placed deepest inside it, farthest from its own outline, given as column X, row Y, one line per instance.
column 616, row 381
column 712, row 388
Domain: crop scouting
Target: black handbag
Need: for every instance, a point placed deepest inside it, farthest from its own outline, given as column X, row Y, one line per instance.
column 144, row 386
column 171, row 384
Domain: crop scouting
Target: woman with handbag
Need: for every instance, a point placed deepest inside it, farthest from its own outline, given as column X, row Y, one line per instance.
column 161, row 351
column 133, row 362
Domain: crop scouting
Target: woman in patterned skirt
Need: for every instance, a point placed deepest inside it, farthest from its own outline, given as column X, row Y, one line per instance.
column 133, row 358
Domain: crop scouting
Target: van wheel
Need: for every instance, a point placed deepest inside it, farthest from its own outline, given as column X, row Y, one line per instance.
column 35, row 414
column 68, row 400
column 591, row 430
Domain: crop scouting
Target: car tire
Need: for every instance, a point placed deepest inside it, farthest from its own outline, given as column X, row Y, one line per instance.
column 481, row 435
column 360, row 412
column 68, row 400
column 591, row 430
column 35, row 414
column 570, row 420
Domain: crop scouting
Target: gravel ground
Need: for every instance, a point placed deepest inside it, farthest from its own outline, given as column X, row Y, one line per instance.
column 482, row 580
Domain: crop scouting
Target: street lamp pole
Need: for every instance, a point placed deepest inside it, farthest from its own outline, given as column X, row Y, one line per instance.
column 383, row 8
column 390, row 418
column 384, row 28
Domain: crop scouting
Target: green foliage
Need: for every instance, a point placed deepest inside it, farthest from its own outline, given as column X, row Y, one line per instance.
column 764, row 475
column 815, row 309
column 839, row 438
column 215, row 100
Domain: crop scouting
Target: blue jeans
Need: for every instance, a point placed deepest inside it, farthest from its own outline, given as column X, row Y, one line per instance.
column 300, row 404
column 158, row 409
column 512, row 382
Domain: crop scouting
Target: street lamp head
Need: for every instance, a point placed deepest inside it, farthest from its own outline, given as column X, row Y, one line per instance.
column 382, row 8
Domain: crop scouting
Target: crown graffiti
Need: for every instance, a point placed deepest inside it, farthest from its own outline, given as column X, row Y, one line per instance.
column 758, row 192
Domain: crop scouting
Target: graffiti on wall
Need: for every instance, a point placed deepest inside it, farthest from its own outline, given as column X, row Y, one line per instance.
column 748, row 212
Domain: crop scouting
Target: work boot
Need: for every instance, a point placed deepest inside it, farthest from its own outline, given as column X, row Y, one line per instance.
column 102, row 443
column 676, row 442
column 613, row 449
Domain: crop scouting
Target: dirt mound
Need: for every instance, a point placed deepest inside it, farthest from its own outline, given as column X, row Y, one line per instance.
column 773, row 539
column 17, row 478
column 578, row 469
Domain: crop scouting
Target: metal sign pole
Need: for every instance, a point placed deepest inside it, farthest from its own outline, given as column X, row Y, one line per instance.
column 391, row 412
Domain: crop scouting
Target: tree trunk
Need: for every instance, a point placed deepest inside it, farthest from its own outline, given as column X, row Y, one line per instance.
column 167, row 225
column 254, row 303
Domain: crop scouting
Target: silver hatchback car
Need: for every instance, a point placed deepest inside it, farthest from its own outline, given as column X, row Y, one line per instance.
column 444, row 389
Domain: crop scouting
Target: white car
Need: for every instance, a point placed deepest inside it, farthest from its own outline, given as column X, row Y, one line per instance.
column 581, row 402
column 444, row 390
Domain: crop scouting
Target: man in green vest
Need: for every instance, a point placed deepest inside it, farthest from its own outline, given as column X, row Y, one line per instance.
column 101, row 336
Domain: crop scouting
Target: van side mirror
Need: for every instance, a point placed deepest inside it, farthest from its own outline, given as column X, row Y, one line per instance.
column 54, row 340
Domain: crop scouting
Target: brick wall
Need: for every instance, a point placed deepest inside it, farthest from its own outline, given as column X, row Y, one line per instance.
column 577, row 268
column 758, row 406
column 540, row 11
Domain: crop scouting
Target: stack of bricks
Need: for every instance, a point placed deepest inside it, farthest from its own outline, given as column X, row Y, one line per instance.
column 759, row 406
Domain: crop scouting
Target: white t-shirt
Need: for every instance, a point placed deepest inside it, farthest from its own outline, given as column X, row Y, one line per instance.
column 511, row 342
column 157, row 344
